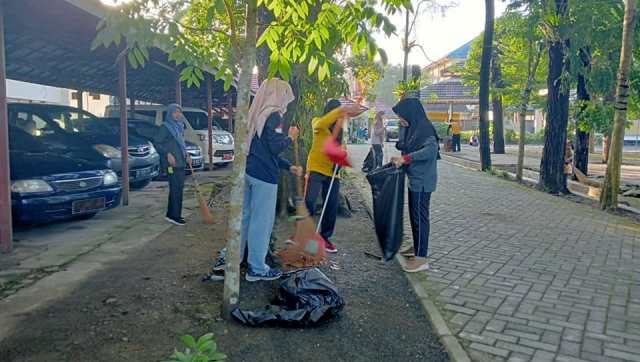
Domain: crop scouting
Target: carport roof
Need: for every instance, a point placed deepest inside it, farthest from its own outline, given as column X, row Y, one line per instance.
column 49, row 42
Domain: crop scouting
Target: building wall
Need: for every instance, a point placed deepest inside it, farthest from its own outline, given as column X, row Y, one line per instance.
column 92, row 102
column 35, row 93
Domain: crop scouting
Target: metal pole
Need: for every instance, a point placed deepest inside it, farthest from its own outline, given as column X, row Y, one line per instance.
column 210, row 120
column 80, row 99
column 178, row 90
column 124, row 136
column 6, row 231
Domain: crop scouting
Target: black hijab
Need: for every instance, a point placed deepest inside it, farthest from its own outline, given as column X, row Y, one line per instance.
column 420, row 128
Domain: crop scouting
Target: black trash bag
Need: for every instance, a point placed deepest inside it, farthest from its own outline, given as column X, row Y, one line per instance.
column 368, row 163
column 305, row 298
column 387, row 186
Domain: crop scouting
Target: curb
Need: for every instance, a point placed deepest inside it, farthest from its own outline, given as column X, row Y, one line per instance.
column 451, row 344
column 527, row 181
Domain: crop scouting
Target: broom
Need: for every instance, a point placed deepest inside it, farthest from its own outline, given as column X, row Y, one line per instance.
column 202, row 204
column 306, row 247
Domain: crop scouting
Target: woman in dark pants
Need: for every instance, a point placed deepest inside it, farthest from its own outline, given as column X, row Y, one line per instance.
column 418, row 143
column 171, row 143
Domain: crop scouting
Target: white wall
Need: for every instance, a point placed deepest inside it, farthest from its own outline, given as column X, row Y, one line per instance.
column 35, row 93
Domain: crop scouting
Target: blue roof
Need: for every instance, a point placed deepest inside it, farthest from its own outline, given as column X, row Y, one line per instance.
column 460, row 53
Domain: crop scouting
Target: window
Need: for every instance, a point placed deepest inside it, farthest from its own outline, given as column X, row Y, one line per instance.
column 149, row 116
column 32, row 124
column 95, row 96
column 198, row 120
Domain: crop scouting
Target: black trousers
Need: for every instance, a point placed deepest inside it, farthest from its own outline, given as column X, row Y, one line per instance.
column 319, row 183
column 176, row 187
column 456, row 143
column 378, row 156
column 419, row 203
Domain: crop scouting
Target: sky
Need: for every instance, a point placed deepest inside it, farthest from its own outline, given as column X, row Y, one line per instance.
column 439, row 34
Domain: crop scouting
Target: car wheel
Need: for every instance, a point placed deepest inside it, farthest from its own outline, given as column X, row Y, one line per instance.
column 140, row 184
column 86, row 216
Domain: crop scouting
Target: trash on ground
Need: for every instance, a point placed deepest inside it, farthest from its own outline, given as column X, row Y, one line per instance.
column 305, row 298
column 387, row 186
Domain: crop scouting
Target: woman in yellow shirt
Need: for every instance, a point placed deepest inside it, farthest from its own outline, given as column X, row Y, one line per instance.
column 321, row 170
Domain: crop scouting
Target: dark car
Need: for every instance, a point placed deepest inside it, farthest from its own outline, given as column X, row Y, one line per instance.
column 148, row 131
column 53, row 180
column 392, row 128
column 143, row 158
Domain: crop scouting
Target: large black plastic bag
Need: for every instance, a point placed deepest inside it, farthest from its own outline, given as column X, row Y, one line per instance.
column 367, row 165
column 387, row 186
column 305, row 298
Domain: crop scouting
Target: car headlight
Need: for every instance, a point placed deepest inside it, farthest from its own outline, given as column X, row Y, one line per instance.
column 223, row 139
column 152, row 150
column 30, row 186
column 202, row 137
column 108, row 151
column 109, row 178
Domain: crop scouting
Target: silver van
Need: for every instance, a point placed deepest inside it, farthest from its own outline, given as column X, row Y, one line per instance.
column 197, row 129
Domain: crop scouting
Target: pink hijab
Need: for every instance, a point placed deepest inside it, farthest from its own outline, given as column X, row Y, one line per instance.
column 274, row 95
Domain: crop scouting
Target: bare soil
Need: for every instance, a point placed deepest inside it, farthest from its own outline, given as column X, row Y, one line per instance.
column 137, row 309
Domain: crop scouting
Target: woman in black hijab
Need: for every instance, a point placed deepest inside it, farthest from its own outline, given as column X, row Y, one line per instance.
column 418, row 144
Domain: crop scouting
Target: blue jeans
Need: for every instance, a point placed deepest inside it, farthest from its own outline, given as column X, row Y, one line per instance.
column 258, row 216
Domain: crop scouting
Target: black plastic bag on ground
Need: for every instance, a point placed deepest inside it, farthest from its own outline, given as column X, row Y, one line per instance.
column 305, row 298
column 367, row 165
column 387, row 186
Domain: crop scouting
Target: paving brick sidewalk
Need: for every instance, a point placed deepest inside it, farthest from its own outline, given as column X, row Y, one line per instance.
column 521, row 275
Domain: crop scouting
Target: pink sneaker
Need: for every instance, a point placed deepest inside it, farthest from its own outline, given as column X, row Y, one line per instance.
column 330, row 247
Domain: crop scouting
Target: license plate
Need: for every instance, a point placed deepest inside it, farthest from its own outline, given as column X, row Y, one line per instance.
column 227, row 156
column 90, row 205
column 144, row 172
column 196, row 162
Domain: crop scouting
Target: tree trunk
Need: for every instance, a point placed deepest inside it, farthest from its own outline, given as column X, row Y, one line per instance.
column 485, row 70
column 496, row 100
column 605, row 148
column 406, row 49
column 532, row 69
column 611, row 187
column 552, row 177
column 246, row 57
column 582, row 138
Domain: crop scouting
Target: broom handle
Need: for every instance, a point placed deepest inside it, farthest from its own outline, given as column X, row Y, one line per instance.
column 324, row 207
column 296, row 156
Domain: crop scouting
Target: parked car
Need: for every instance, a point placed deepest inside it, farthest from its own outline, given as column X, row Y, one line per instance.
column 392, row 128
column 144, row 161
column 147, row 131
column 197, row 129
column 53, row 180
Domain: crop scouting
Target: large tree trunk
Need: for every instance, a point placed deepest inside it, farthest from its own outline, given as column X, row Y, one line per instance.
column 582, row 138
column 485, row 70
column 552, row 178
column 611, row 187
column 496, row 100
column 246, row 57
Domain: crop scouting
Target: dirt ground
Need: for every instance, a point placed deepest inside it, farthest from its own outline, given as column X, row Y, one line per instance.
column 138, row 308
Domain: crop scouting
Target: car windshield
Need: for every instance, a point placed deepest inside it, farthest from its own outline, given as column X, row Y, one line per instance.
column 76, row 121
column 199, row 120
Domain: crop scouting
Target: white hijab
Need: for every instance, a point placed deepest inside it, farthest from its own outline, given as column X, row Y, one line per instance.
column 274, row 95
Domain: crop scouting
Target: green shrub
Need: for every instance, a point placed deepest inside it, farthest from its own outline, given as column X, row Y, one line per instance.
column 204, row 349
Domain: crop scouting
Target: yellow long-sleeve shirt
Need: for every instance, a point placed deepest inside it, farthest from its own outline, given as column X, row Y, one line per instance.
column 318, row 160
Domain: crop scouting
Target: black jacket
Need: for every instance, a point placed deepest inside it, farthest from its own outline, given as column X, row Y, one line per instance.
column 264, row 161
column 166, row 143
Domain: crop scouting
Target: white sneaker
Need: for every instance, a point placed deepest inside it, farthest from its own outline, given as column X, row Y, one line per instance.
column 419, row 268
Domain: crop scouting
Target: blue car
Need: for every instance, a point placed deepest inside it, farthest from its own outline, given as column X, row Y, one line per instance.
column 54, row 180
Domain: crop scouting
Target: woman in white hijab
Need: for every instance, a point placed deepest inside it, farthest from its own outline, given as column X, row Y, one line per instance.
column 265, row 142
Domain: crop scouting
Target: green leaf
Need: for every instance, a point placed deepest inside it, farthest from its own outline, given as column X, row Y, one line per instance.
column 227, row 82
column 313, row 63
column 323, row 71
column 132, row 60
column 139, row 57
column 317, row 40
column 189, row 341
column 218, row 356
